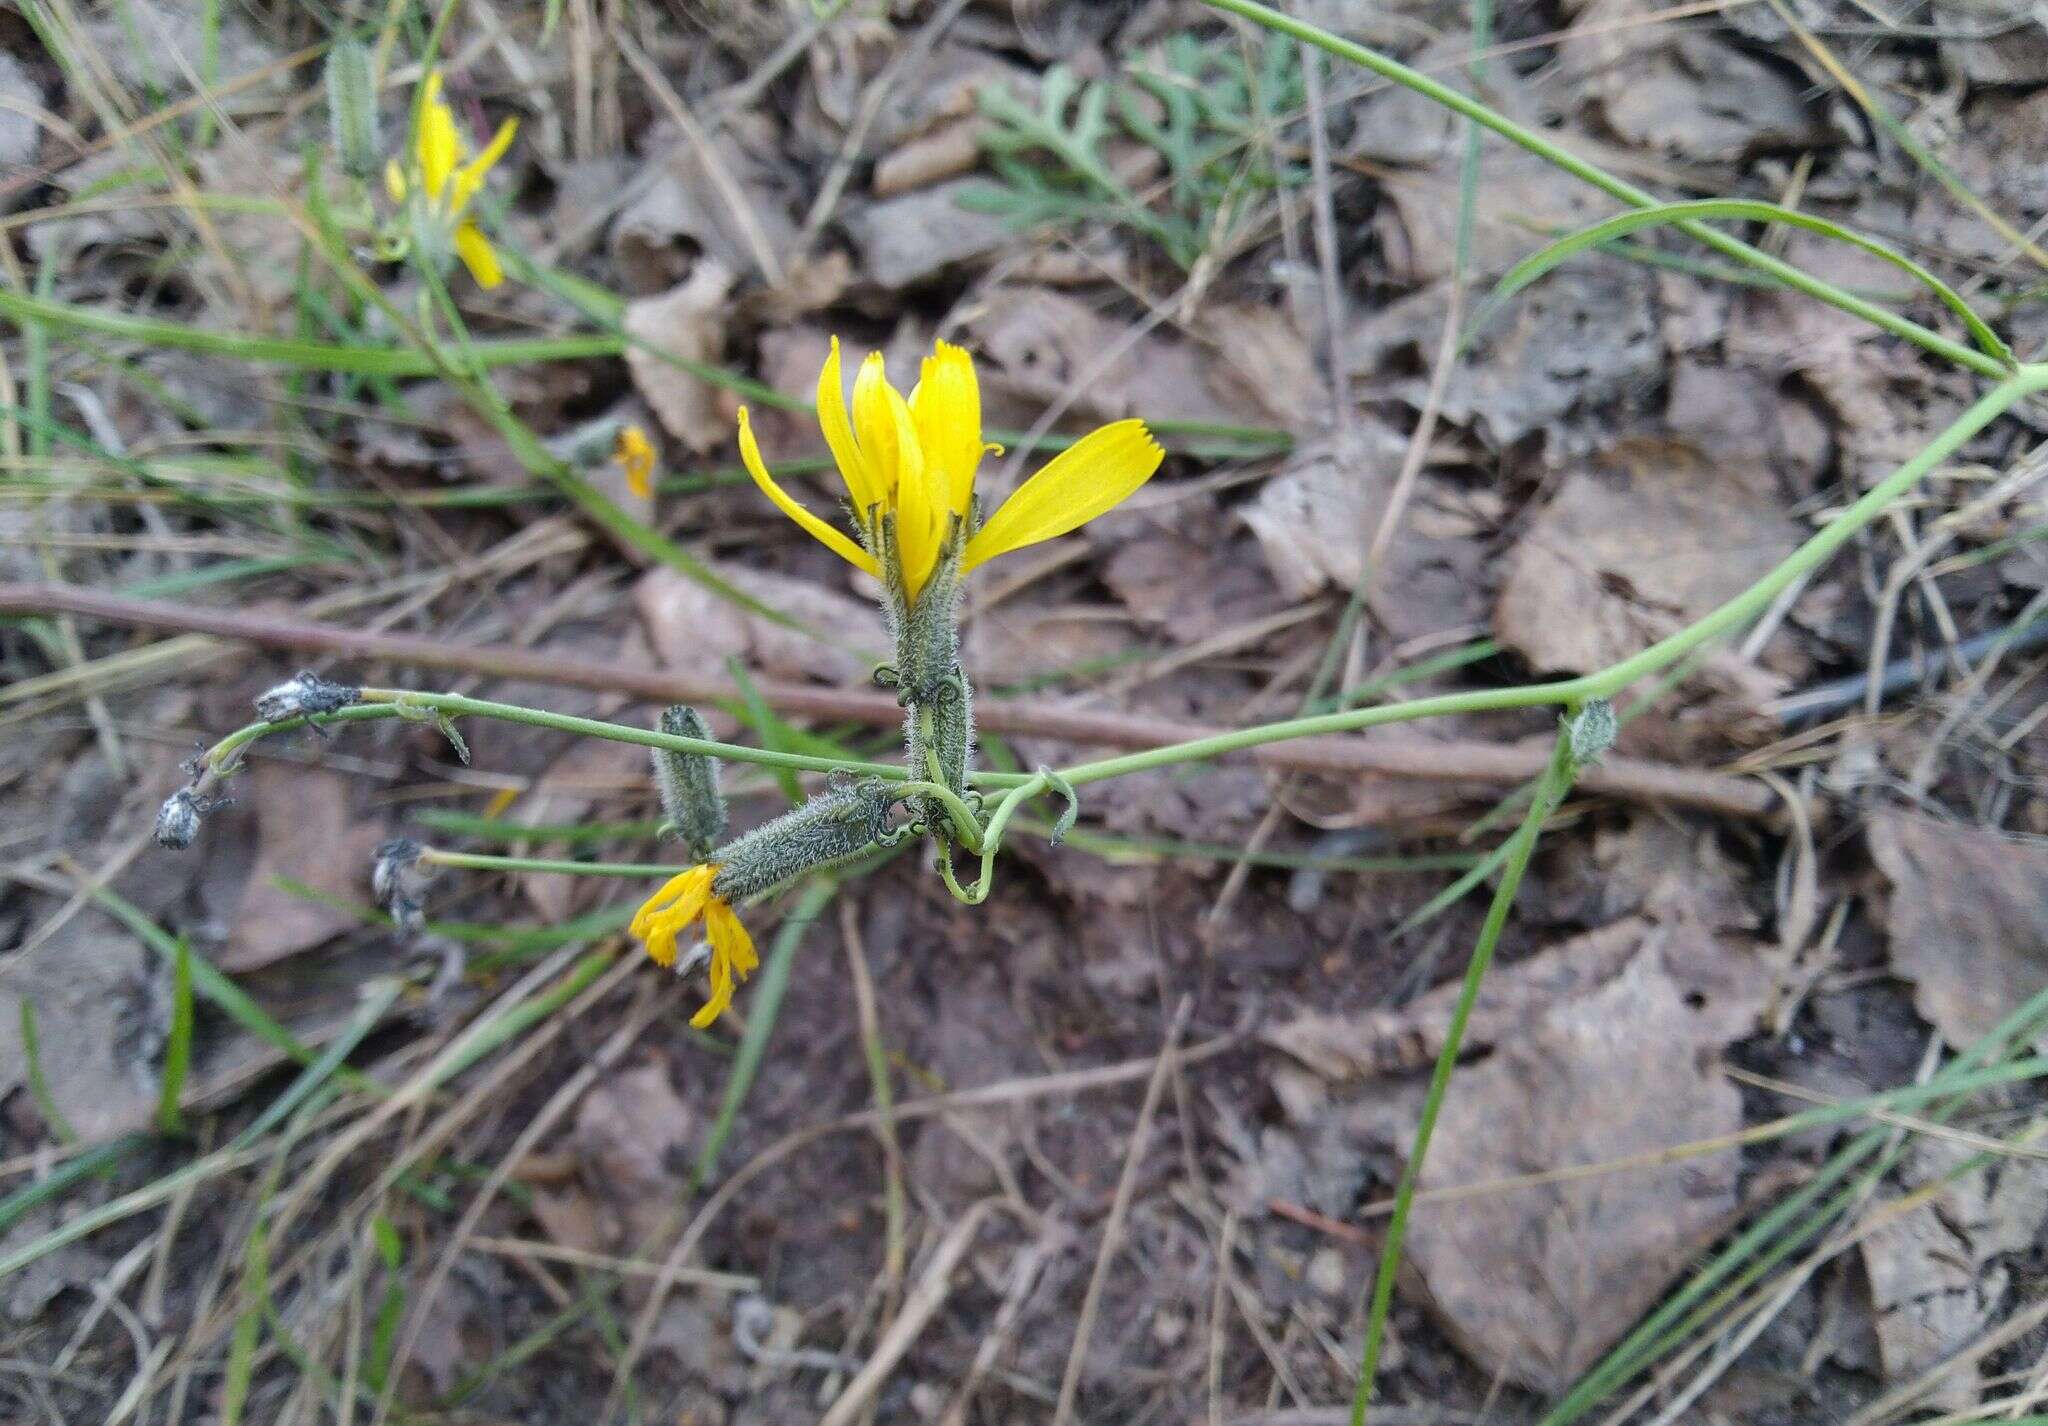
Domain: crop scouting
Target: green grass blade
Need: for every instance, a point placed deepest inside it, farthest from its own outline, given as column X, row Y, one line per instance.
column 762, row 1008
column 65, row 1177
column 1530, row 268
column 178, row 1049
column 1551, row 790
column 38, row 1082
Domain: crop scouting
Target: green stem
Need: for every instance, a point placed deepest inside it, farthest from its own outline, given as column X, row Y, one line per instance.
column 2026, row 381
column 957, row 811
column 380, row 703
column 1958, row 352
column 1557, row 780
column 483, row 861
column 992, row 840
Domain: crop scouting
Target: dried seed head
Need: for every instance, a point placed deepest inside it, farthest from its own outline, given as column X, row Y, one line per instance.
column 177, row 821
column 400, row 882
column 304, row 694
column 688, row 784
column 838, row 823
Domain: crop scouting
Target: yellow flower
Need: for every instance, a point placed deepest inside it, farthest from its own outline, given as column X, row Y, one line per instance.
column 635, row 456
column 915, row 460
column 448, row 182
column 674, row 908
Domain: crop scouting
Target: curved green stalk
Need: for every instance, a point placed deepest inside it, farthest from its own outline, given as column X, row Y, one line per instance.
column 1535, row 143
column 1599, row 234
column 957, row 812
column 2027, row 381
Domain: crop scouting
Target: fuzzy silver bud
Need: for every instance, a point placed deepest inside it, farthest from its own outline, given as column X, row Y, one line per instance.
column 400, row 882
column 304, row 694
column 691, row 804
column 352, row 109
column 177, row 821
column 839, row 823
column 1591, row 731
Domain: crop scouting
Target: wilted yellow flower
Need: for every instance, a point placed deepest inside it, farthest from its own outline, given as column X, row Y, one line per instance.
column 915, row 460
column 448, row 182
column 677, row 906
column 635, row 456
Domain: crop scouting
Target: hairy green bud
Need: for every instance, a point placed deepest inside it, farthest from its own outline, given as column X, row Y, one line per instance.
column 691, row 803
column 839, row 823
column 1591, row 731
column 352, row 109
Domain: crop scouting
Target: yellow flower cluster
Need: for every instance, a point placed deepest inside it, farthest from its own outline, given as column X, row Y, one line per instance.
column 634, row 454
column 681, row 901
column 449, row 180
column 914, row 460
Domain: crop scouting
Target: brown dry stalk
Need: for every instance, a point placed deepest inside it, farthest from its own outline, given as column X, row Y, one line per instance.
column 1451, row 760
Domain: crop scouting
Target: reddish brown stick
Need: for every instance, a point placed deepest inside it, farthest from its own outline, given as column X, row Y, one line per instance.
column 1494, row 764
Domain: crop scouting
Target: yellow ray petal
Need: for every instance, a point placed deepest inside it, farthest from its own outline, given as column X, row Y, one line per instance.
column 1094, row 475
column 682, row 895
column 439, row 147
column 721, row 996
column 470, row 177
column 478, row 255
column 947, row 407
column 824, row 534
column 920, row 513
column 394, row 180
column 861, row 487
column 875, row 424
column 729, row 939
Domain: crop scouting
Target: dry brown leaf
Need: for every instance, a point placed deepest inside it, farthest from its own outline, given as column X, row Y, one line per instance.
column 587, row 773
column 632, row 1139
column 946, row 152
column 1633, row 549
column 1936, row 1279
column 1316, row 519
column 686, row 322
column 914, row 237
column 1261, row 352
column 1525, row 197
column 307, row 830
column 687, row 214
column 1535, row 1284
column 2000, row 42
column 1384, row 1042
column 1684, row 92
column 692, row 627
column 1969, row 919
column 1035, row 347
column 1738, row 418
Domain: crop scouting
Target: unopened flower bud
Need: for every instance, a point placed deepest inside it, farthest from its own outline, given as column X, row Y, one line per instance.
column 1591, row 731
column 688, row 783
column 177, row 821
column 400, row 882
column 302, row 695
column 837, row 824
column 352, row 108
